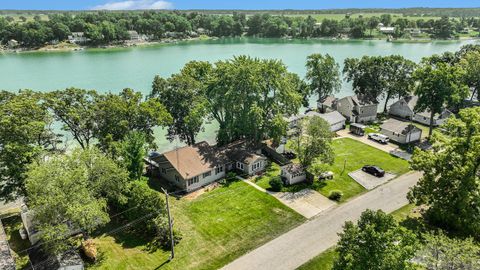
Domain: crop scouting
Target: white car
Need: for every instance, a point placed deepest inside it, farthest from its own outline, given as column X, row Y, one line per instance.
column 378, row 137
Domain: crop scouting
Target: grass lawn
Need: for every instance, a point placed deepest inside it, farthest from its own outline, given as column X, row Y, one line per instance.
column 12, row 225
column 354, row 155
column 216, row 227
column 323, row 261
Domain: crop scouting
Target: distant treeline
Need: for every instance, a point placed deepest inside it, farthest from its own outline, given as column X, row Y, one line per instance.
column 110, row 27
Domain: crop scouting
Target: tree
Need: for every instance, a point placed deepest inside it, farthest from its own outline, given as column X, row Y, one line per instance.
column 183, row 95
column 471, row 65
column 132, row 151
column 443, row 253
column 25, row 134
column 386, row 19
column 117, row 115
column 449, row 186
column 76, row 109
column 398, row 76
column 246, row 96
column 323, row 75
column 314, row 142
column 438, row 86
column 367, row 76
column 373, row 23
column 443, row 28
column 71, row 192
column 377, row 242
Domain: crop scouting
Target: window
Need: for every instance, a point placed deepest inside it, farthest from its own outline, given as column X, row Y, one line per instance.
column 177, row 178
column 240, row 165
column 193, row 180
column 218, row 170
column 207, row 174
column 164, row 171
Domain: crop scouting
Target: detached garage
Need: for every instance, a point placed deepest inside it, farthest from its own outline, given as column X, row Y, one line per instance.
column 334, row 119
column 401, row 132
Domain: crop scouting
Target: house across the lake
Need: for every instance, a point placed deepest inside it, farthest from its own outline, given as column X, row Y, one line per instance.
column 405, row 108
column 356, row 109
column 192, row 167
column 400, row 132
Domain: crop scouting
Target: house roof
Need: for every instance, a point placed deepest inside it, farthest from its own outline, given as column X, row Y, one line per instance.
column 6, row 259
column 190, row 161
column 399, row 127
column 44, row 261
column 329, row 100
column 333, row 117
column 293, row 168
column 411, row 101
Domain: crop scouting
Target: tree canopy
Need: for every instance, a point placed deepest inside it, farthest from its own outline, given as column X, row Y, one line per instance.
column 323, row 75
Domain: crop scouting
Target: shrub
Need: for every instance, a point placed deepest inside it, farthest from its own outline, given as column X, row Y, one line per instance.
column 231, row 176
column 276, row 183
column 335, row 195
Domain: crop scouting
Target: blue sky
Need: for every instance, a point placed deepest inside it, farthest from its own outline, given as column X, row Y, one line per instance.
column 228, row 4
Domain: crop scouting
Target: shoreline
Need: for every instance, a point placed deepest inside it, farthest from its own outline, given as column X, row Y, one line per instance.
column 68, row 47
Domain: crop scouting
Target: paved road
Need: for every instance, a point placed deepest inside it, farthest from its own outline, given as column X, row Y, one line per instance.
column 301, row 244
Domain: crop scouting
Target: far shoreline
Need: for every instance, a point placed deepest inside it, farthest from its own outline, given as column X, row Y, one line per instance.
column 68, row 47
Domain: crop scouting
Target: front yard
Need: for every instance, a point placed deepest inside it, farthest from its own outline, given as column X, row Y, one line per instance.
column 216, row 227
column 350, row 155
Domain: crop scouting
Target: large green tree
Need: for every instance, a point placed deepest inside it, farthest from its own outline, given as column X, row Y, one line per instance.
column 25, row 134
column 438, row 86
column 323, row 75
column 450, row 183
column 471, row 64
column 377, row 242
column 398, row 77
column 183, row 95
column 70, row 192
column 313, row 143
column 247, row 95
column 76, row 110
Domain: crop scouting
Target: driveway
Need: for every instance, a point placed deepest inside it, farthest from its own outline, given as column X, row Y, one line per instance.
column 306, row 241
column 369, row 181
column 388, row 147
column 307, row 202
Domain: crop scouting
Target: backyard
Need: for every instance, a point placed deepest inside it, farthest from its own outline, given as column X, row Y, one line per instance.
column 216, row 228
column 350, row 155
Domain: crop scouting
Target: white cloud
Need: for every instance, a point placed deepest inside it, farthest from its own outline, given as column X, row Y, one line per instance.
column 135, row 4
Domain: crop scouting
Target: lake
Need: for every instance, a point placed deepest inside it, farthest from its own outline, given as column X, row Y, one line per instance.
column 110, row 70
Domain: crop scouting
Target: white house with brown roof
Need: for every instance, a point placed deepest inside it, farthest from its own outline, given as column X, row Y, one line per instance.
column 192, row 167
column 400, row 132
column 405, row 108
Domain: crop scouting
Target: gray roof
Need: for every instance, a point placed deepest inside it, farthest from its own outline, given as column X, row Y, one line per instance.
column 397, row 126
column 6, row 259
column 293, row 168
column 329, row 101
column 333, row 117
column 356, row 100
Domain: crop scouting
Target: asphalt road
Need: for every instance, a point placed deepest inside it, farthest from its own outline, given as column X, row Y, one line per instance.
column 306, row 241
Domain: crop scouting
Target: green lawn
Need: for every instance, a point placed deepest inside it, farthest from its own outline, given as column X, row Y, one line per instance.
column 351, row 153
column 216, row 227
column 323, row 261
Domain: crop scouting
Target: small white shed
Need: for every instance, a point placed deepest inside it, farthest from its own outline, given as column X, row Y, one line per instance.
column 293, row 173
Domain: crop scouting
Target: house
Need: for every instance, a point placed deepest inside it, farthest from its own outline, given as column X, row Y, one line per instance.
column 6, row 259
column 357, row 110
column 12, row 43
column 69, row 260
column 405, row 108
column 400, row 132
column 192, row 167
column 133, row 35
column 293, row 173
column 327, row 105
column 334, row 119
column 77, row 38
column 386, row 30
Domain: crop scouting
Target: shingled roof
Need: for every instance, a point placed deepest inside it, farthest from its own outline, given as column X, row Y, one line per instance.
column 397, row 126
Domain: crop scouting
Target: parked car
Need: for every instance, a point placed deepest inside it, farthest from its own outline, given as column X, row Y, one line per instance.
column 378, row 137
column 289, row 155
column 373, row 170
column 326, row 176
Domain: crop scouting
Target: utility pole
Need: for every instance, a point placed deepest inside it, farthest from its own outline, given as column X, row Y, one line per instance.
column 170, row 225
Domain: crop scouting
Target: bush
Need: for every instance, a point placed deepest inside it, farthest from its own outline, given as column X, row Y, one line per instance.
column 231, row 176
column 276, row 183
column 335, row 195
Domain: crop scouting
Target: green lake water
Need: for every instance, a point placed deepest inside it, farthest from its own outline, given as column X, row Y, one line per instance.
column 114, row 69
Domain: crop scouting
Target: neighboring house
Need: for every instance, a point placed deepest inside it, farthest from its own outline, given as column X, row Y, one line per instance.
column 404, row 108
column 77, row 38
column 12, row 43
column 293, row 173
column 6, row 259
column 192, row 167
column 133, row 35
column 334, row 119
column 357, row 110
column 69, row 260
column 400, row 132
column 327, row 105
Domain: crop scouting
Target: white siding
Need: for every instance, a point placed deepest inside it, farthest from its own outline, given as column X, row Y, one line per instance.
column 203, row 181
column 401, row 109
